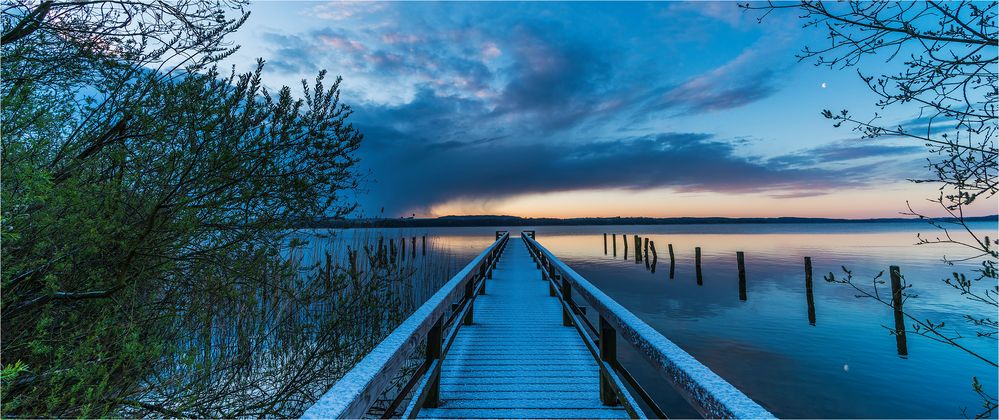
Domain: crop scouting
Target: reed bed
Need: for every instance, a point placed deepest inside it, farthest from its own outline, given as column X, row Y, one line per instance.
column 292, row 330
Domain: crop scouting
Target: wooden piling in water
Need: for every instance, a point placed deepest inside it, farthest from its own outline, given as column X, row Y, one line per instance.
column 638, row 249
column 605, row 244
column 655, row 256
column 697, row 265
column 741, row 260
column 424, row 244
column 672, row 262
column 614, row 243
column 896, row 303
column 413, row 252
column 646, row 251
column 624, row 240
column 808, row 291
column 402, row 245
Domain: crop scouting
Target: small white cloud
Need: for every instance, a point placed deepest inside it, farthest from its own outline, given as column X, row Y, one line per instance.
column 490, row 51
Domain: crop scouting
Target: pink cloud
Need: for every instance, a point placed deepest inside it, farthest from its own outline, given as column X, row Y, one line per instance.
column 342, row 43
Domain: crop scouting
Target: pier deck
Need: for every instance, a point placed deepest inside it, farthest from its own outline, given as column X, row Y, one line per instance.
column 517, row 359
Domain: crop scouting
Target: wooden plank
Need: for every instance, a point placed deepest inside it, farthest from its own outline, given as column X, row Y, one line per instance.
column 459, row 391
column 528, row 394
column 524, row 413
column 551, row 402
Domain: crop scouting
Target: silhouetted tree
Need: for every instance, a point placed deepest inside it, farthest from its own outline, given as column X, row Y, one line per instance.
column 948, row 51
column 147, row 201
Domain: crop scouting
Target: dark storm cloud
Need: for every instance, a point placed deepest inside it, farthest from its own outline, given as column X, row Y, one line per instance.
column 560, row 82
column 495, row 170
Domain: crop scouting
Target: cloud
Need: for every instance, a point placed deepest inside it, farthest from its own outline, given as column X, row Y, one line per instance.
column 346, row 10
column 417, row 174
column 554, row 83
column 848, row 151
column 738, row 82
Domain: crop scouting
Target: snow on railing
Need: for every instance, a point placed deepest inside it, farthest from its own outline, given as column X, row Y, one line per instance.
column 707, row 392
column 355, row 392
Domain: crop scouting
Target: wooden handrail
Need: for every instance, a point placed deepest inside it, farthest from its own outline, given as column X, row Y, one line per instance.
column 353, row 395
column 708, row 393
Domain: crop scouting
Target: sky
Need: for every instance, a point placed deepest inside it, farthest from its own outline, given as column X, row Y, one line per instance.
column 592, row 109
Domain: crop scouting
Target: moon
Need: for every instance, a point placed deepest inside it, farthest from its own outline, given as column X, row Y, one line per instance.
column 823, row 85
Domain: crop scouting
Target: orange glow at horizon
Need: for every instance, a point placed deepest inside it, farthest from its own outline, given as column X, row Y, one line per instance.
column 885, row 201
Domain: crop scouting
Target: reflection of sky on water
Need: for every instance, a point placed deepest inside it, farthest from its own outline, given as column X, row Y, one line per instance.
column 844, row 366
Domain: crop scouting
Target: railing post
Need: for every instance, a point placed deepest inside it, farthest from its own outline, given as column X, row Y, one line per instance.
column 608, row 353
column 435, row 341
column 567, row 296
column 469, row 295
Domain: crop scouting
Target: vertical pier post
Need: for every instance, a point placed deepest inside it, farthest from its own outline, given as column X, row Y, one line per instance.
column 638, row 249
column 435, row 341
column 566, row 289
column 402, row 245
column 608, row 353
column 896, row 302
column 672, row 262
column 424, row 245
column 655, row 256
column 614, row 243
column 413, row 251
column 624, row 240
column 697, row 265
column 741, row 260
column 809, row 297
column 605, row 244
column 646, row 252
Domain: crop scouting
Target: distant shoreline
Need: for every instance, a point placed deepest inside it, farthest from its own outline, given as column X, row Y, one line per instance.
column 488, row 221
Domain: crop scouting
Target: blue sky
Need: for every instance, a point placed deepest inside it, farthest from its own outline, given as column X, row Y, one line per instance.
column 590, row 109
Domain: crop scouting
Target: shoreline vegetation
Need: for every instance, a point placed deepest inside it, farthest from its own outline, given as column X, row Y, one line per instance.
column 491, row 220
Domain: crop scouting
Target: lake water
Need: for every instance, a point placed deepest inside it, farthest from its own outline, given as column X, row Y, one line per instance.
column 845, row 365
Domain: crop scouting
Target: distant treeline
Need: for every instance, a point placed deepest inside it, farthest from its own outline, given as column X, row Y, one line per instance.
column 486, row 220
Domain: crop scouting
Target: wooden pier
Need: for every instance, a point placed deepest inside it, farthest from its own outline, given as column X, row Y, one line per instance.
column 523, row 348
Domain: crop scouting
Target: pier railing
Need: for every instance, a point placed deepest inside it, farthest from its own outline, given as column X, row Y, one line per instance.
column 708, row 393
column 435, row 323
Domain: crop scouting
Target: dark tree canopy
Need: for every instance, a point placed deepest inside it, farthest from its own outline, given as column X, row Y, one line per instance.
column 142, row 191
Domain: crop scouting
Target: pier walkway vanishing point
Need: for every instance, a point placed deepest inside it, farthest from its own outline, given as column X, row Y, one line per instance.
column 505, row 338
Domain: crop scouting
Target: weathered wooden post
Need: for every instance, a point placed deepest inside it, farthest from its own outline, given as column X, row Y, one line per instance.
column 624, row 240
column 469, row 292
column 638, row 249
column 672, row 262
column 608, row 353
column 566, row 289
column 646, row 252
column 741, row 259
column 605, row 244
column 614, row 243
column 809, row 297
column 402, row 244
column 413, row 252
column 655, row 256
column 424, row 245
column 896, row 303
column 435, row 341
column 697, row 265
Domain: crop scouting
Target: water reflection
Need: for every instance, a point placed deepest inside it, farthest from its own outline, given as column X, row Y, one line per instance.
column 850, row 366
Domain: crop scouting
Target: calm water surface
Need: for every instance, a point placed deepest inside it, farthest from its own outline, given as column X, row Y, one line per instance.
column 845, row 365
